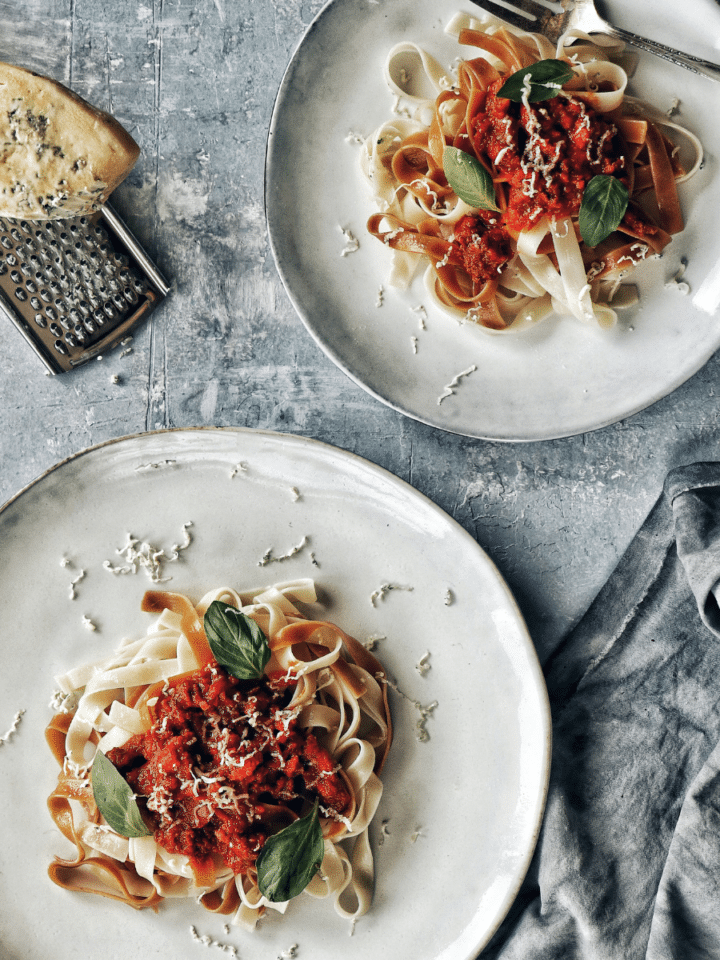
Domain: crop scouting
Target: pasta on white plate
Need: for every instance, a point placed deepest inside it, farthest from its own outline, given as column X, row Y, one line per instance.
column 214, row 765
column 525, row 182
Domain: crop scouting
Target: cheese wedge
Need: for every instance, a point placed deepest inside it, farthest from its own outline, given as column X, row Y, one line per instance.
column 60, row 157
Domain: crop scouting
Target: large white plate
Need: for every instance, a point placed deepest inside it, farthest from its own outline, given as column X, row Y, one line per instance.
column 560, row 379
column 474, row 792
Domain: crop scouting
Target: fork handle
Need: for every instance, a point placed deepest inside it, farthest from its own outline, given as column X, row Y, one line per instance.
column 705, row 68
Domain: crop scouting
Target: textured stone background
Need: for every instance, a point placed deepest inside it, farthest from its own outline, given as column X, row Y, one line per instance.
column 194, row 81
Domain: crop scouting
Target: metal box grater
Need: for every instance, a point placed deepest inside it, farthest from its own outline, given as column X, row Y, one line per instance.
column 75, row 288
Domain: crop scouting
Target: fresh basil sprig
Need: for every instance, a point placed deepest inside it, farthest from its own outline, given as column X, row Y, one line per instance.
column 604, row 202
column 115, row 799
column 469, row 179
column 237, row 642
column 290, row 859
column 546, row 79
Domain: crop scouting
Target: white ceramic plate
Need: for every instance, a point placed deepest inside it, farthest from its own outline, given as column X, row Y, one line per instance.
column 559, row 379
column 474, row 792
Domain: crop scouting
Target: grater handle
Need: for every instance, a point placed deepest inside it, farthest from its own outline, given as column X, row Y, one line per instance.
column 135, row 249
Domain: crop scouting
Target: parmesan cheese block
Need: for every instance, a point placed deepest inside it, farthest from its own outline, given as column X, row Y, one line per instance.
column 60, row 157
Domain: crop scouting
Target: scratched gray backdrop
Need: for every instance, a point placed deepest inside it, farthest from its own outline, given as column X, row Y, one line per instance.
column 194, row 81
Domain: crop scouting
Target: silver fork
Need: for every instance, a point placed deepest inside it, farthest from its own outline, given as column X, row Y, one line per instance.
column 555, row 18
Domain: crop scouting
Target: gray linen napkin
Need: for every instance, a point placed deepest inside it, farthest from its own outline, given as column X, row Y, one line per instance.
column 628, row 861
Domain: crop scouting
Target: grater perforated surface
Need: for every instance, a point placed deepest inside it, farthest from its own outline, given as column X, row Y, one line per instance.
column 75, row 287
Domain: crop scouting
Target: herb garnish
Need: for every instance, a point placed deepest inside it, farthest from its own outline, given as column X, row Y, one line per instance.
column 546, row 78
column 115, row 799
column 469, row 179
column 290, row 859
column 603, row 206
column 237, row 642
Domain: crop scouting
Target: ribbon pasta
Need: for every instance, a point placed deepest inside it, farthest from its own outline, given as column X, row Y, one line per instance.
column 548, row 267
column 339, row 696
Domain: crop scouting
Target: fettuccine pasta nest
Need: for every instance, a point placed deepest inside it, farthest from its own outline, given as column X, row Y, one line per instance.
column 508, row 268
column 326, row 732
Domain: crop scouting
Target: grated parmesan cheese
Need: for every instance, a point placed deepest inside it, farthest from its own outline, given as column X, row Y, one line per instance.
column 351, row 242
column 64, row 702
column 74, row 583
column 449, row 389
column 269, row 557
column 289, row 954
column 241, row 467
column 13, row 728
column 425, row 711
column 425, row 714
column 156, row 465
column 384, row 589
column 677, row 282
column 421, row 314
column 144, row 556
column 207, row 941
column 423, row 665
column 372, row 642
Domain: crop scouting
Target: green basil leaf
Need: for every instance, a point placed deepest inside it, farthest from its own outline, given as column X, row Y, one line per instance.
column 290, row 859
column 237, row 642
column 603, row 206
column 469, row 179
column 115, row 799
column 546, row 78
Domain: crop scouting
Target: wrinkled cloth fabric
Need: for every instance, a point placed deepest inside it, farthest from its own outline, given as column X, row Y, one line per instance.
column 627, row 865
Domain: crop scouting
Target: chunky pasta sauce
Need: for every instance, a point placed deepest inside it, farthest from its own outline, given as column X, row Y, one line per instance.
column 221, row 757
column 546, row 153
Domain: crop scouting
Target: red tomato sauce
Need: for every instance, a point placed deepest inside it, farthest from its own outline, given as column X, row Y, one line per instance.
column 547, row 154
column 483, row 246
column 222, row 764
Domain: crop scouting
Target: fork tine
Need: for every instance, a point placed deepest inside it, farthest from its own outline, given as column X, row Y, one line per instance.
column 524, row 21
column 538, row 16
column 552, row 18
